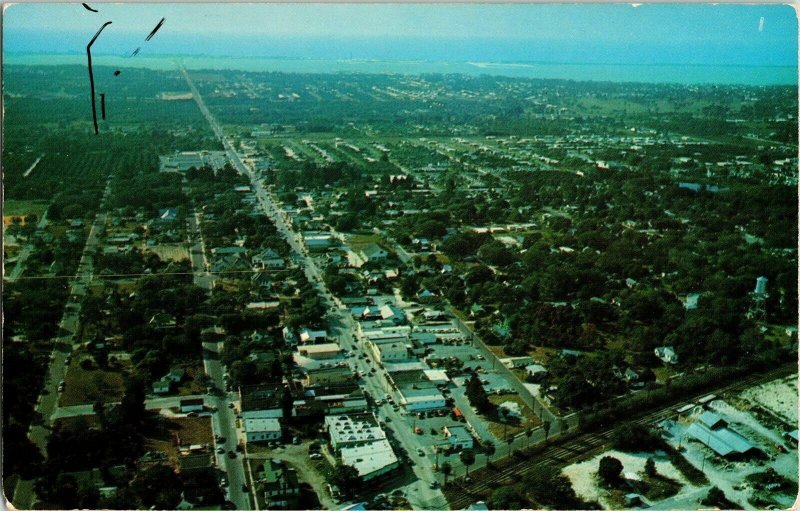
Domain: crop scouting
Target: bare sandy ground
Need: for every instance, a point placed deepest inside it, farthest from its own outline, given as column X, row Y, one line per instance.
column 584, row 480
column 779, row 396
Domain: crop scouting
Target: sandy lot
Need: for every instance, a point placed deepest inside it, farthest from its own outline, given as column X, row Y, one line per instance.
column 779, row 397
column 584, row 481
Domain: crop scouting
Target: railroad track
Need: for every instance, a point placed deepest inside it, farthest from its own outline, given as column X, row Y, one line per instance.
column 586, row 445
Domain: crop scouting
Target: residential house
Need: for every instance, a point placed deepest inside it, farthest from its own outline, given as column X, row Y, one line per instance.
column 231, row 264
column 167, row 215
column 373, row 252
column 279, row 483
column 535, row 371
column 162, row 321
column 666, row 354
column 162, row 386
column 268, row 259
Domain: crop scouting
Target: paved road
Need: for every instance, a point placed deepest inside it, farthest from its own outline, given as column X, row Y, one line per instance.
column 224, row 421
column 155, row 403
column 19, row 266
column 197, row 249
column 297, row 456
column 419, row 494
column 39, row 431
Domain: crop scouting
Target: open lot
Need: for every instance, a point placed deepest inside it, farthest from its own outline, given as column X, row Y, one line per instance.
column 526, row 419
column 23, row 208
column 774, row 455
column 91, row 385
column 668, row 481
column 170, row 252
column 166, row 434
column 778, row 397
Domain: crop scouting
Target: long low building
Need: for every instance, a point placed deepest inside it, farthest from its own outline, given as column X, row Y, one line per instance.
column 262, row 430
column 318, row 351
column 353, row 430
column 711, row 430
column 370, row 460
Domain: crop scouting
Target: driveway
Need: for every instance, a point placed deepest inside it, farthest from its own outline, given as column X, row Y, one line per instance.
column 297, row 457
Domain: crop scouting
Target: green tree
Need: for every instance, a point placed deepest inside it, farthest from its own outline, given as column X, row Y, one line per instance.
column 489, row 449
column 446, row 469
column 650, row 467
column 610, row 471
column 477, row 395
column 467, row 458
column 158, row 486
column 507, row 497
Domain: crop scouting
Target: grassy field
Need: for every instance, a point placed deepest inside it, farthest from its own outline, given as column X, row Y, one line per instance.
column 79, row 423
column 529, row 419
column 13, row 208
column 84, row 386
column 24, row 207
column 170, row 252
column 191, row 384
column 358, row 241
column 186, row 430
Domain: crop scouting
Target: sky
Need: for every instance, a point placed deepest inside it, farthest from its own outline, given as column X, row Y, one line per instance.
column 618, row 34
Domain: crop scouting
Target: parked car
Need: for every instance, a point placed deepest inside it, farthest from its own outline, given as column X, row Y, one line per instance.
column 221, row 450
column 420, row 451
column 315, row 456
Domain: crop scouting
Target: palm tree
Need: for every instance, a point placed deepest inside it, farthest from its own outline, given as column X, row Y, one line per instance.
column 467, row 458
column 447, row 469
column 528, row 435
column 546, row 427
column 489, row 449
column 510, row 441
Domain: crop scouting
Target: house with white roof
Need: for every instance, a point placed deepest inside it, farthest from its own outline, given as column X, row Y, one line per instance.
column 262, row 430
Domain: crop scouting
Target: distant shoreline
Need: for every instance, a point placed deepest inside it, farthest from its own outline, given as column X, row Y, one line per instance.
column 685, row 74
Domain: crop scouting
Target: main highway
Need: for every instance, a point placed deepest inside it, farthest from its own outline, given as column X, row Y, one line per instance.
column 418, row 492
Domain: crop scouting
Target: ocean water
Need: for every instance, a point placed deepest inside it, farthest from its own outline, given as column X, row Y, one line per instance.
column 645, row 73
